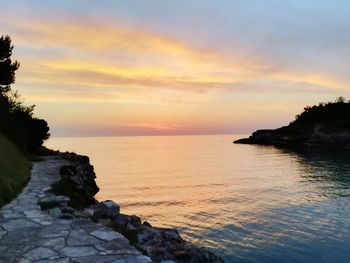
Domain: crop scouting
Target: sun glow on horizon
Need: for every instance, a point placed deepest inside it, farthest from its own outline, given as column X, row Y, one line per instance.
column 118, row 71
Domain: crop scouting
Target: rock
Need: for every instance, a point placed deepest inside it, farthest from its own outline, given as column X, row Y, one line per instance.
column 143, row 259
column 147, row 224
column 68, row 210
column 105, row 221
column 55, row 212
column 135, row 221
column 130, row 227
column 121, row 221
column 107, row 209
column 77, row 181
column 51, row 201
column 66, row 216
column 89, row 212
column 167, row 244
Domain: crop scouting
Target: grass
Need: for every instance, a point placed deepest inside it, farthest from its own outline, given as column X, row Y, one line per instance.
column 14, row 171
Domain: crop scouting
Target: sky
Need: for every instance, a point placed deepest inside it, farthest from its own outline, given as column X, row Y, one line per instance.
column 161, row 67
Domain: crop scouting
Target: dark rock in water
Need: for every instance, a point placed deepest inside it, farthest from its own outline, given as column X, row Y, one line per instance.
column 107, row 209
column 164, row 243
column 161, row 243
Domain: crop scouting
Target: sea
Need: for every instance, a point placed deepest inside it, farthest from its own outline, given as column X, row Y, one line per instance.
column 246, row 203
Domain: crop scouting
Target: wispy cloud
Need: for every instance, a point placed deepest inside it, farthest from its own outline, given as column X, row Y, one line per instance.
column 96, row 55
column 194, row 72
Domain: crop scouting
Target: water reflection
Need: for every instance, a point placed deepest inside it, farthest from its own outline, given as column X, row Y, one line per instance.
column 248, row 203
column 329, row 168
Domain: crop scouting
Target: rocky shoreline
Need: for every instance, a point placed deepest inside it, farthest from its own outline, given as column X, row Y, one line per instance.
column 73, row 195
column 325, row 126
column 313, row 137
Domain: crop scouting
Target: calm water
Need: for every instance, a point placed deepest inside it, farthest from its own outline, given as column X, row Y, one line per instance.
column 246, row 203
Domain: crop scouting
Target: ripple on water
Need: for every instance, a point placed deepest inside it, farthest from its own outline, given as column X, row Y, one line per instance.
column 247, row 203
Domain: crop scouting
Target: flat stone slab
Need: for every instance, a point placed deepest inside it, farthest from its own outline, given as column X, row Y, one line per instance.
column 39, row 253
column 29, row 234
column 107, row 235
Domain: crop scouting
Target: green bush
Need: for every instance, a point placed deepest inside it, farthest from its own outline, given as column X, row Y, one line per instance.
column 14, row 170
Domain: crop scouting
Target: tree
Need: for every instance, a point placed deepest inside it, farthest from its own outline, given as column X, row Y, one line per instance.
column 7, row 67
column 16, row 120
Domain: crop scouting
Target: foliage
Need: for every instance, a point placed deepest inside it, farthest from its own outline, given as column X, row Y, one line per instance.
column 330, row 112
column 7, row 67
column 16, row 120
column 14, row 170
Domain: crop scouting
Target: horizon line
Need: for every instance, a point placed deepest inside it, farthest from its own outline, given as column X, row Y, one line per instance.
column 143, row 135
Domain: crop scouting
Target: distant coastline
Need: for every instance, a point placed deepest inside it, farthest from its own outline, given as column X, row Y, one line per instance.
column 326, row 125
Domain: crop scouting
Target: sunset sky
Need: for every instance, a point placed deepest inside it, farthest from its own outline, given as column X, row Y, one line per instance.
column 177, row 67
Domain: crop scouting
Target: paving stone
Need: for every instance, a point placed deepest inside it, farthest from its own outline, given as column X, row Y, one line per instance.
column 33, row 213
column 118, row 261
column 43, row 221
column 2, row 232
column 19, row 250
column 81, row 238
column 53, row 243
column 39, row 253
column 107, row 235
column 27, row 207
column 28, row 234
column 9, row 205
column 138, row 259
column 60, row 260
column 86, row 224
column 2, row 248
column 9, row 258
column 54, row 231
column 98, row 259
column 12, row 215
column 55, row 212
column 20, row 237
column 18, row 223
column 79, row 251
column 114, row 247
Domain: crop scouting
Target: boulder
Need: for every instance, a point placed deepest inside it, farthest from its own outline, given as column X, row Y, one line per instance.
column 107, row 209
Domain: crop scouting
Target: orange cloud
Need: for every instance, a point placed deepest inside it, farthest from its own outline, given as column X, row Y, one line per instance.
column 115, row 56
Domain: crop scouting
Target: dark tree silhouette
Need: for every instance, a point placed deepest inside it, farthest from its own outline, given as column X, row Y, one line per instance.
column 16, row 120
column 337, row 112
column 7, row 67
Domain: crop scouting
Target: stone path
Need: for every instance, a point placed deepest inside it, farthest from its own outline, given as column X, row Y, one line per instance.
column 28, row 234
